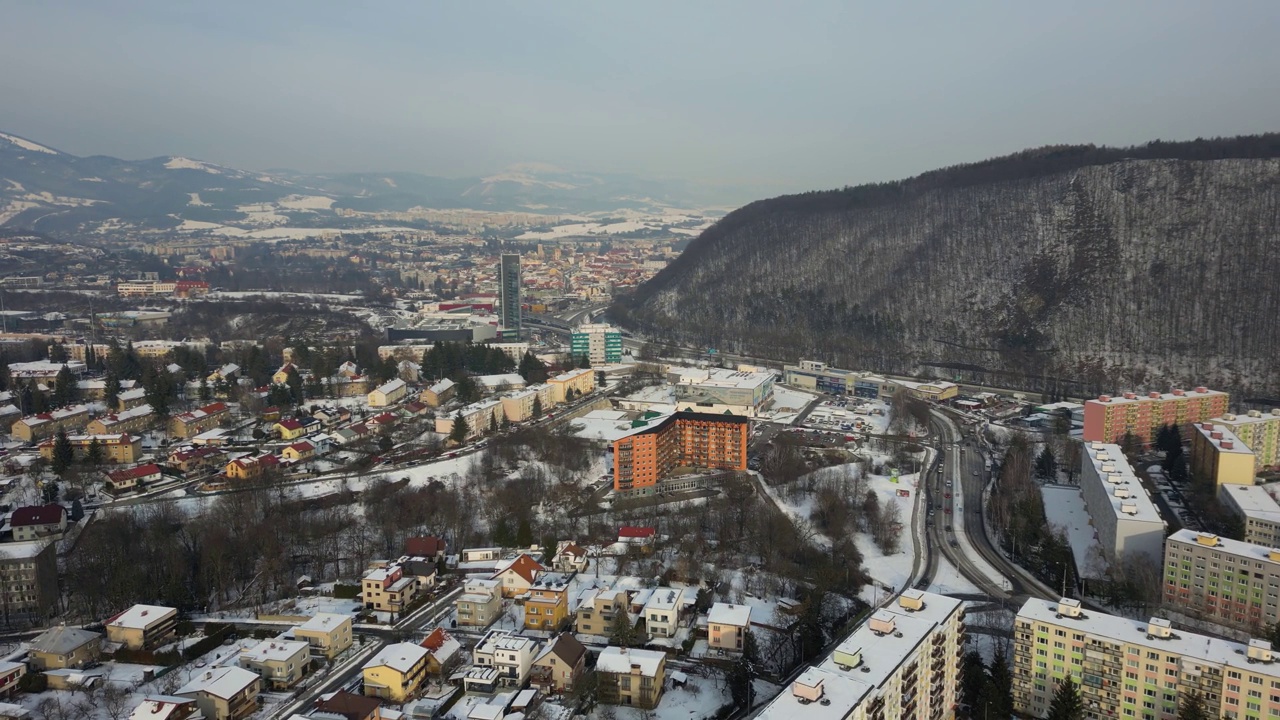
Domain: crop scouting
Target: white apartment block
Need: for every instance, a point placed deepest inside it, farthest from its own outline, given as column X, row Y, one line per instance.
column 902, row 664
column 1133, row 669
column 1123, row 514
column 1259, row 511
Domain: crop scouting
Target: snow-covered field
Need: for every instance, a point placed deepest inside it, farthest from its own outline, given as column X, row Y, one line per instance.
column 1064, row 508
column 787, row 404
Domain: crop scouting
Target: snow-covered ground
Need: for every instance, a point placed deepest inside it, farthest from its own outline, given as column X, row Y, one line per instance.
column 1064, row 508
column 788, row 403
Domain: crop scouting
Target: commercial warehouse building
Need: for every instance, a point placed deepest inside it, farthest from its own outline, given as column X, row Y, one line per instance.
column 740, row 392
column 813, row 375
column 1133, row 669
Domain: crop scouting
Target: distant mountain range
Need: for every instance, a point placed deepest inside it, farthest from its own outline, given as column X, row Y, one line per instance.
column 51, row 191
column 1072, row 269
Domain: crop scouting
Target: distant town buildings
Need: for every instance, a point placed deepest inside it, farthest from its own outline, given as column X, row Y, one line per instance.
column 1259, row 431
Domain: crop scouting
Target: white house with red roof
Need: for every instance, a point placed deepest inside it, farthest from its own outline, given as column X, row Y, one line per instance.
column 37, row 522
column 134, row 478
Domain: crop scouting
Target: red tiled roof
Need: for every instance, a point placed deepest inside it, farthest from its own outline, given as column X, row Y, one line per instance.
column 290, row 424
column 302, row 446
column 37, row 515
column 134, row 472
column 628, row 531
column 524, row 566
column 424, row 546
column 435, row 639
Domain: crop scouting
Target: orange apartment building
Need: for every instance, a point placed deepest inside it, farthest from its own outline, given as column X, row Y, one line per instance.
column 682, row 439
column 1108, row 418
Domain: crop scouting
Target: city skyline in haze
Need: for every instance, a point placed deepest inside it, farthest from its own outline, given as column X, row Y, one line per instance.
column 766, row 98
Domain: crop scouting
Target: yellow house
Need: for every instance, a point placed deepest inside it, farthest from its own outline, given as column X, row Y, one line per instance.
column 519, row 576
column 281, row 376
column 289, row 429
column 329, row 634
column 280, row 663
column 115, row 448
column 547, row 606
column 1218, row 455
column 630, row 677
column 64, row 647
column 142, row 626
column 727, row 626
column 396, row 673
column 225, row 693
column 597, row 609
column 299, row 451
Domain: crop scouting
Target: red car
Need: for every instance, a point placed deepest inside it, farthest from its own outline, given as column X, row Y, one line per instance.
column 947, row 495
column 947, row 511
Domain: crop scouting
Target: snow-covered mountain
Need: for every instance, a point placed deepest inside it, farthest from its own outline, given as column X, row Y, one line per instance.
column 52, row 191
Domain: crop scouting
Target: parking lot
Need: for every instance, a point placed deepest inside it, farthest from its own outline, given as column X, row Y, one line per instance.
column 849, row 415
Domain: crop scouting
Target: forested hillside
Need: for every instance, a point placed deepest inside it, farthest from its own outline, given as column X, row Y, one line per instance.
column 1072, row 269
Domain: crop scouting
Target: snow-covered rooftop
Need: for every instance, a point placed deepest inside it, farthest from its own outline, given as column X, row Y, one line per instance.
column 140, row 617
column 400, row 657
column 729, row 614
column 222, row 682
column 621, row 660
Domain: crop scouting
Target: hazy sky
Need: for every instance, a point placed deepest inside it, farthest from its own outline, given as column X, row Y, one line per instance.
column 778, row 96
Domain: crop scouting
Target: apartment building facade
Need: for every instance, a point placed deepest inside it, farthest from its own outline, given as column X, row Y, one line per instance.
column 1218, row 456
column 33, row 428
column 1132, row 669
column 328, row 634
column 901, row 664
column 133, row 420
column 574, row 382
column 1125, row 517
column 29, row 577
column 122, row 448
column 1259, row 512
column 190, row 424
column 1225, row 581
column 600, row 343
column 1109, row 418
column 683, row 439
column 1259, row 431
column 509, row 291
column 480, row 602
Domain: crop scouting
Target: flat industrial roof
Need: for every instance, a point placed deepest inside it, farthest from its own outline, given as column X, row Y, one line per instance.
column 1109, row 463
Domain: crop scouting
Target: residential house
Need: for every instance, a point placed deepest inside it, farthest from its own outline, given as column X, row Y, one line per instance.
column 328, row 634
column 511, row 656
column 249, row 467
column 662, row 612
column 38, row 522
column 388, row 589
column 559, row 665
column 190, row 424
column 115, row 449
column 388, row 393
column 133, row 420
column 597, row 609
column 190, row 460
column 445, row 652
column 142, row 626
column 224, row 693
column 727, row 626
column 414, row 407
column 64, row 647
column 427, row 546
column 518, row 576
column 119, row 482
column 547, row 604
column 569, row 557
column 289, row 429
column 166, row 707
column 639, row 536
column 29, row 578
column 489, row 384
column 628, row 676
column 396, row 672
column 440, row 393
column 280, row 663
column 226, row 373
column 409, row 371
column 10, row 675
column 421, row 569
column 281, row 376
column 480, row 602
column 300, row 451
column 350, row 706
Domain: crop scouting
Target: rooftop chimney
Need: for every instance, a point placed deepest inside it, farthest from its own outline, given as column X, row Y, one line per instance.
column 847, row 659
column 1179, row 392
column 1202, row 389
column 1227, row 445
column 1153, row 395
column 1128, row 508
column 1130, row 396
column 1104, row 398
column 1207, row 539
column 882, row 623
column 1122, row 492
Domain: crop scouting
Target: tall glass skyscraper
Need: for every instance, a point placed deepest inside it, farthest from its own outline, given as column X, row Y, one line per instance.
column 509, row 291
